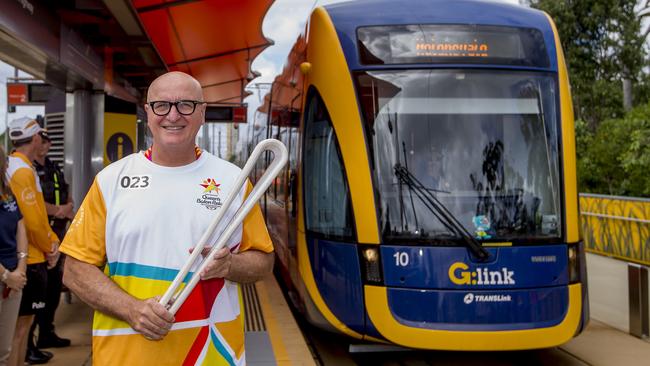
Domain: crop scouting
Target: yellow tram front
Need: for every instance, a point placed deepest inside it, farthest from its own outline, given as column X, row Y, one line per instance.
column 437, row 204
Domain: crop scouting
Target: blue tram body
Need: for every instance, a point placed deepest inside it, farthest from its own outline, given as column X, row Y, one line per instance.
column 430, row 200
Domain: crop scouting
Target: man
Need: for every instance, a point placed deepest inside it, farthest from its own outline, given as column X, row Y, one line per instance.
column 58, row 204
column 42, row 241
column 140, row 219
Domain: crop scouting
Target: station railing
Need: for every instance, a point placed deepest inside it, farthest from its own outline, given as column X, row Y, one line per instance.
column 619, row 227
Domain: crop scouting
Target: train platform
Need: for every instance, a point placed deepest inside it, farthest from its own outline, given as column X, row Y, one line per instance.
column 272, row 334
column 274, row 338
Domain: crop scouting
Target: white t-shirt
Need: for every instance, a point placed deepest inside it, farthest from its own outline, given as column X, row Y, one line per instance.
column 140, row 219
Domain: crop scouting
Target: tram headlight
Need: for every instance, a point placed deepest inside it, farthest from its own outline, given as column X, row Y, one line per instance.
column 574, row 264
column 371, row 254
column 371, row 265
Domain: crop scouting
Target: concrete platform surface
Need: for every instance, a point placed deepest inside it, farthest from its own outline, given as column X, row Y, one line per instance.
column 73, row 321
column 602, row 345
column 599, row 345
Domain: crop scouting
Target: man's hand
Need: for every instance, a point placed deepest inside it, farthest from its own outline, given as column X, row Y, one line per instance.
column 16, row 280
column 70, row 215
column 150, row 319
column 64, row 211
column 219, row 267
column 53, row 256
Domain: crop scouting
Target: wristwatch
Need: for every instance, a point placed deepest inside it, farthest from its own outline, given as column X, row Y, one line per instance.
column 21, row 255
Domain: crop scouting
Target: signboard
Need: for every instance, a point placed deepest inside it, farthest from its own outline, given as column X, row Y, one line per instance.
column 226, row 113
column 119, row 136
column 39, row 93
column 239, row 114
column 449, row 43
column 17, row 94
column 28, row 93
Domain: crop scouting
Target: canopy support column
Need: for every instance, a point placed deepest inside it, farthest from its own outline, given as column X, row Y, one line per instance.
column 83, row 141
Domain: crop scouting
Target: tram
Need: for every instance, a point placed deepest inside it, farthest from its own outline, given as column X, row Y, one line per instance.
column 430, row 200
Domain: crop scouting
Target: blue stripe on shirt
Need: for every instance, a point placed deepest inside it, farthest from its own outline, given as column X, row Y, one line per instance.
column 143, row 271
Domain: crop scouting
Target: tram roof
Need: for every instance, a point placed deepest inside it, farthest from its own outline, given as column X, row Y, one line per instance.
column 215, row 41
column 348, row 16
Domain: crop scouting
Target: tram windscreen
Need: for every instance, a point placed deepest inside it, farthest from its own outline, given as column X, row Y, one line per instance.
column 484, row 144
column 451, row 44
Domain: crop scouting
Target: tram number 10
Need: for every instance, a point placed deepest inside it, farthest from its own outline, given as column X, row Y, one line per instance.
column 401, row 259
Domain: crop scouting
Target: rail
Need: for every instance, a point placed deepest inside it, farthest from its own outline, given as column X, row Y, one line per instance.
column 619, row 227
column 616, row 226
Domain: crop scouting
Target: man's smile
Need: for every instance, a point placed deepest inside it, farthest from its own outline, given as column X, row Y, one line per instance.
column 173, row 128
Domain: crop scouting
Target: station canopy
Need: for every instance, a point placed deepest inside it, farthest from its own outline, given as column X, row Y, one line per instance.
column 120, row 46
column 215, row 41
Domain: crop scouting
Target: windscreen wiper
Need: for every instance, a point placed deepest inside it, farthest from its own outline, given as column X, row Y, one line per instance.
column 440, row 211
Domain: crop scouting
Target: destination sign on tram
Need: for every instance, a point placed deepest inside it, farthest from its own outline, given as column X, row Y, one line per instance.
column 409, row 44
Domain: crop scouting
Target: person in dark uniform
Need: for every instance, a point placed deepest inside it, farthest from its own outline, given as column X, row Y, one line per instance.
column 59, row 207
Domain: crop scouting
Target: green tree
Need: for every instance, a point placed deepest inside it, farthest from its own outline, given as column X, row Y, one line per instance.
column 629, row 50
column 615, row 159
column 636, row 158
column 599, row 168
column 603, row 45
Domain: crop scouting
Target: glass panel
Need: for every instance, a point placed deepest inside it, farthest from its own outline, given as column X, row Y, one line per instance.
column 484, row 144
column 328, row 210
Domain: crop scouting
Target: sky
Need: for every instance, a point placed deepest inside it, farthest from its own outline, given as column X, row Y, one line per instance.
column 283, row 23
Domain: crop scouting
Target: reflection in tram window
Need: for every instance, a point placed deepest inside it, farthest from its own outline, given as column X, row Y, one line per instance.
column 328, row 209
column 484, row 143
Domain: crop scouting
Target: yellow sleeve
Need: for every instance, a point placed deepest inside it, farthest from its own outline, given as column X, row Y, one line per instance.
column 32, row 206
column 86, row 237
column 255, row 235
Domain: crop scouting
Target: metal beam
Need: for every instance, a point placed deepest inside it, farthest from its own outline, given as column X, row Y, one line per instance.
column 221, row 83
column 125, row 16
column 217, row 55
column 165, row 5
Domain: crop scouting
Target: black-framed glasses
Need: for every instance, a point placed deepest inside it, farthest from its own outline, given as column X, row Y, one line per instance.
column 184, row 107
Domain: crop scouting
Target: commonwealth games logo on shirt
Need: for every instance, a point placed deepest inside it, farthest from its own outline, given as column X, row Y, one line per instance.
column 210, row 185
column 210, row 195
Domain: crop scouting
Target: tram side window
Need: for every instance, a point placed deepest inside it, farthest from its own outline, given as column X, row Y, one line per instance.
column 328, row 209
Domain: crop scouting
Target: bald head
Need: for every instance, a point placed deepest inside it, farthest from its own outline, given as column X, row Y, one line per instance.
column 174, row 133
column 175, row 82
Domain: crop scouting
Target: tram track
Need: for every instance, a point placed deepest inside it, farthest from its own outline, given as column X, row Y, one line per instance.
column 574, row 356
column 333, row 349
column 329, row 349
column 552, row 356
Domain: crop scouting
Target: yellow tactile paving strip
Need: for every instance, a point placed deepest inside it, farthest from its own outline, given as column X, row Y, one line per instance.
column 286, row 338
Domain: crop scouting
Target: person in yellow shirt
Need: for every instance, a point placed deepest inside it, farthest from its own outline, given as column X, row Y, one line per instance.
column 42, row 241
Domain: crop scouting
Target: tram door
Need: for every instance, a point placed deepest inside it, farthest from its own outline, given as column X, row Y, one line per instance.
column 278, row 205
